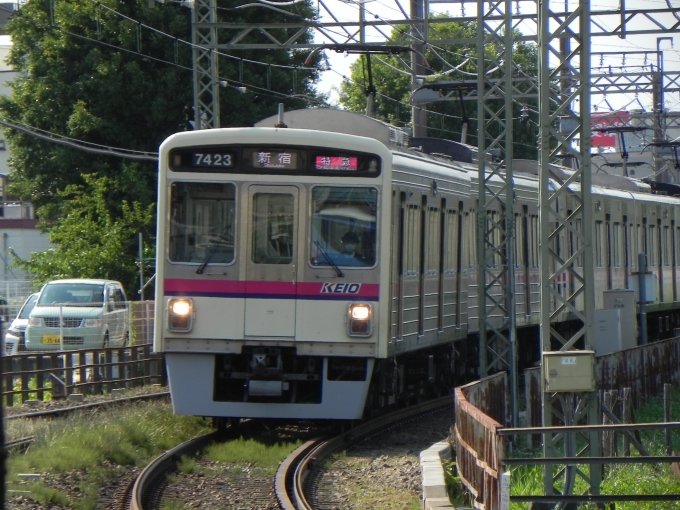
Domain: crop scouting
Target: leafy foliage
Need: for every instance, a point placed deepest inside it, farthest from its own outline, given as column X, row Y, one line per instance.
column 444, row 63
column 90, row 74
column 89, row 239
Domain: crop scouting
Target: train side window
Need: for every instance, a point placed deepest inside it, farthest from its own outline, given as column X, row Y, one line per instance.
column 578, row 243
column 517, row 241
column 471, row 239
column 452, row 242
column 616, row 245
column 599, row 246
column 641, row 247
column 202, row 222
column 667, row 247
column 534, row 256
column 433, row 240
column 413, row 239
column 652, row 246
column 626, row 242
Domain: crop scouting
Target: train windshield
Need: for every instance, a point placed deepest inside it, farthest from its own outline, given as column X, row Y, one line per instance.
column 343, row 226
column 202, row 222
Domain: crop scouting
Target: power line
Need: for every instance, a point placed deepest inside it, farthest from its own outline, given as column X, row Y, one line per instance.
column 80, row 144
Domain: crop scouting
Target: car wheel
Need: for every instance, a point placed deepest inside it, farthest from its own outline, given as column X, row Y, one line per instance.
column 105, row 344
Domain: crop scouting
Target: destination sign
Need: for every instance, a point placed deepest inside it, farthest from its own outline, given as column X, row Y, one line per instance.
column 343, row 163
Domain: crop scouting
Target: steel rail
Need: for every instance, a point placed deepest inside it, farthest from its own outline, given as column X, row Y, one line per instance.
column 70, row 409
column 163, row 462
column 308, row 455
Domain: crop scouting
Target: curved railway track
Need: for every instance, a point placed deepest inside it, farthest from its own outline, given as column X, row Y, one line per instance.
column 301, row 464
column 146, row 484
column 295, row 477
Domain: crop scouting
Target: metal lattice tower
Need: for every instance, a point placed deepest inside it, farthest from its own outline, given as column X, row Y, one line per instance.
column 495, row 210
column 565, row 209
column 206, row 74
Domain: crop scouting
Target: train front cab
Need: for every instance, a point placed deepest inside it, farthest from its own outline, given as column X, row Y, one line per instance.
column 281, row 319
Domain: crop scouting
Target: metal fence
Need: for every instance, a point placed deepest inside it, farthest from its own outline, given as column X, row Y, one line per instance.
column 636, row 374
column 43, row 376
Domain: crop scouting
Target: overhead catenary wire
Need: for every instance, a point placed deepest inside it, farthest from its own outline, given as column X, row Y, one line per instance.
column 82, row 145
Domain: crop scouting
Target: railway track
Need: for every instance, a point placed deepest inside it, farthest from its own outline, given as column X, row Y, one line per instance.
column 67, row 408
column 296, row 477
column 147, row 483
column 301, row 468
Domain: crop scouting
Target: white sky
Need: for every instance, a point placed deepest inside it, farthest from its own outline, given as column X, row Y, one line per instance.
column 389, row 10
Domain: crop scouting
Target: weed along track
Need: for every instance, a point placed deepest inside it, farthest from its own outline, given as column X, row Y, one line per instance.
column 235, row 468
column 263, row 466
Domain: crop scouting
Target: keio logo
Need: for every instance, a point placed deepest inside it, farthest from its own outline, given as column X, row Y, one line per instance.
column 340, row 288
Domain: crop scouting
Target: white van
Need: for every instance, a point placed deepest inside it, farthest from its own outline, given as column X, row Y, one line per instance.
column 79, row 314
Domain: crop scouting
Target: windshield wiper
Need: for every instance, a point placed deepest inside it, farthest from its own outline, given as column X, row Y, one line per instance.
column 207, row 258
column 329, row 260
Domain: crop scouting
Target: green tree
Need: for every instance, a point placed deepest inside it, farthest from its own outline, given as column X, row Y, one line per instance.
column 88, row 73
column 89, row 239
column 393, row 84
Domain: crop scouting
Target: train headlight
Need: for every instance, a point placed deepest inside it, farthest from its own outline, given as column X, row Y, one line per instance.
column 360, row 323
column 180, row 315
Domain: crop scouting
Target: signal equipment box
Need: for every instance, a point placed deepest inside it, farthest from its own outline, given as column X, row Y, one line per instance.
column 624, row 301
column 569, row 371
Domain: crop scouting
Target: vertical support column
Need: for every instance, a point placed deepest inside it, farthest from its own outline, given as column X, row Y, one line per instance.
column 495, row 210
column 206, row 75
column 565, row 209
column 419, row 115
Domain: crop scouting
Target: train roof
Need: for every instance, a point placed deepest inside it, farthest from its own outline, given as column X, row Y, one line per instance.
column 531, row 167
column 447, row 151
column 339, row 121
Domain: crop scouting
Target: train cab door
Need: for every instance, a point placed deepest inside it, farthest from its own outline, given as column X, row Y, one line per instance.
column 273, row 232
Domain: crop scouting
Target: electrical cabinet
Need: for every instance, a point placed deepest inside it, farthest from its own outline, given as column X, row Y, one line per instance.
column 569, row 371
column 624, row 301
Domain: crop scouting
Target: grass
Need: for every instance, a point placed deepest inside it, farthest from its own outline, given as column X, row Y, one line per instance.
column 256, row 458
column 266, row 458
column 94, row 447
column 32, row 395
column 619, row 479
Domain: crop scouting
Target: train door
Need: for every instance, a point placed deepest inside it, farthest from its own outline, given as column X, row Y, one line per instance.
column 271, row 258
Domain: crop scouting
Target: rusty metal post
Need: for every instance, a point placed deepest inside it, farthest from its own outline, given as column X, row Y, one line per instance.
column 667, row 416
column 626, row 413
column 606, row 435
column 613, row 436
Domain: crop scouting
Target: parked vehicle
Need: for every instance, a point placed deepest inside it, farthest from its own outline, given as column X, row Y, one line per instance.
column 79, row 314
column 14, row 339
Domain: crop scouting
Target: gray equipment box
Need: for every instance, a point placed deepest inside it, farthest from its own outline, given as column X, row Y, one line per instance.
column 569, row 371
column 624, row 301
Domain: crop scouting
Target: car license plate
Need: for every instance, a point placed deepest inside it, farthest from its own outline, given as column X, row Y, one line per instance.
column 50, row 339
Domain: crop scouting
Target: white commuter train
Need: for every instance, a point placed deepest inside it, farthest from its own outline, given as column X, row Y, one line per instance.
column 325, row 268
